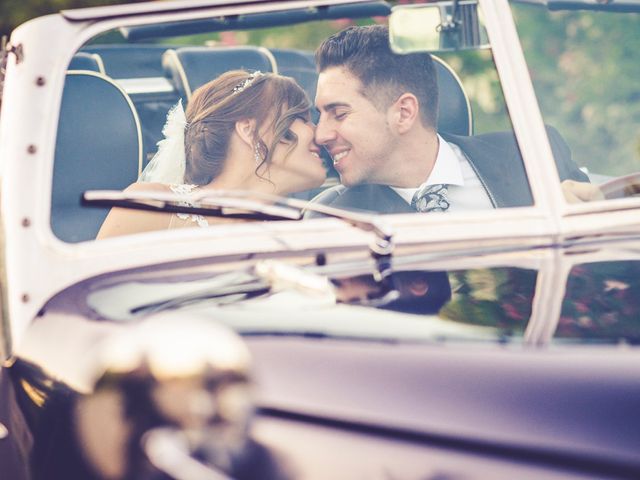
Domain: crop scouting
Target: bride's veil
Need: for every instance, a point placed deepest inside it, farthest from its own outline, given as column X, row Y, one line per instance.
column 168, row 164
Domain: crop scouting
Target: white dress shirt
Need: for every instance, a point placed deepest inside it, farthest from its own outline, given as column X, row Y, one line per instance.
column 466, row 192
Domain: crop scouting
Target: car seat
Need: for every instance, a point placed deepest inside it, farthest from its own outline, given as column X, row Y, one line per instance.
column 191, row 67
column 300, row 66
column 454, row 109
column 99, row 146
column 87, row 61
column 129, row 61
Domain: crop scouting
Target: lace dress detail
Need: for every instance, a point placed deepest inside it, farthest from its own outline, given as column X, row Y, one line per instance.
column 186, row 190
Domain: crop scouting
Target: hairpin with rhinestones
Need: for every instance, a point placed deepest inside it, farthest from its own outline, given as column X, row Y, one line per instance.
column 246, row 82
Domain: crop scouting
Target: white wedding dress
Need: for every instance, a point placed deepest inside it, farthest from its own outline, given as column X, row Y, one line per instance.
column 186, row 219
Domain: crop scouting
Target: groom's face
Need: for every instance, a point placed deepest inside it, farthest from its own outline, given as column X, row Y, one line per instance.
column 354, row 132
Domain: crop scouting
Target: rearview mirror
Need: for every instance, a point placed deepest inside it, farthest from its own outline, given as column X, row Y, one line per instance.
column 437, row 27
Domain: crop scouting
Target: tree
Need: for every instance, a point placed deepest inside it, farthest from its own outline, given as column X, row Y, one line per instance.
column 16, row 12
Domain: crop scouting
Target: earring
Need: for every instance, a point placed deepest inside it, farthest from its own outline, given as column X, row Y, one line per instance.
column 256, row 154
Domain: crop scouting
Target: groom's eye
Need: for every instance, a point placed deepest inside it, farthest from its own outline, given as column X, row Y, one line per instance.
column 340, row 115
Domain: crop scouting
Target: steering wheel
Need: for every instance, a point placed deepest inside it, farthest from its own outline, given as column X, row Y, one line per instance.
column 621, row 187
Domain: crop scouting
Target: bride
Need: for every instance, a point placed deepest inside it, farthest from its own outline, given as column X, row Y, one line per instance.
column 243, row 131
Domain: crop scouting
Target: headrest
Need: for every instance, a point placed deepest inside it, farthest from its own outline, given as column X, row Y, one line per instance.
column 130, row 61
column 300, row 66
column 99, row 146
column 87, row 61
column 454, row 111
column 191, row 67
column 293, row 59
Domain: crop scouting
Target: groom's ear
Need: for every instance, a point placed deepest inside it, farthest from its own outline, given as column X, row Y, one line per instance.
column 404, row 112
column 246, row 130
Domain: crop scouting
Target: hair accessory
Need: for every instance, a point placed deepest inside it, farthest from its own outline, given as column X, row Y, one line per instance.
column 246, row 82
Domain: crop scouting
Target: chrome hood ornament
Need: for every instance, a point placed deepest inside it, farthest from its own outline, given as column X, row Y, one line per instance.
column 187, row 382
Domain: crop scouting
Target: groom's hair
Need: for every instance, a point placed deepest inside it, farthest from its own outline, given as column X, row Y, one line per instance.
column 365, row 52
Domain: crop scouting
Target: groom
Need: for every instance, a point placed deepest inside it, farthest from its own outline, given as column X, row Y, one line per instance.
column 378, row 117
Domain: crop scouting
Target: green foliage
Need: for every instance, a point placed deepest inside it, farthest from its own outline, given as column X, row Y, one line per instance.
column 305, row 36
column 480, row 79
column 585, row 68
column 602, row 303
column 499, row 298
column 16, row 12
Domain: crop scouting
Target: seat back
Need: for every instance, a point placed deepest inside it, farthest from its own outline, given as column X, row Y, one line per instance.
column 129, row 61
column 454, row 109
column 99, row 146
column 191, row 67
column 300, row 66
column 87, row 61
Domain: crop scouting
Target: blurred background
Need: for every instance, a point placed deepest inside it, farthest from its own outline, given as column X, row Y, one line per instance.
column 15, row 12
column 584, row 67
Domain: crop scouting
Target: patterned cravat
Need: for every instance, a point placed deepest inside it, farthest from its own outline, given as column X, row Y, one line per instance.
column 431, row 198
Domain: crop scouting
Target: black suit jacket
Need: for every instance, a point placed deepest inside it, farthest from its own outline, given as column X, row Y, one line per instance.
column 496, row 159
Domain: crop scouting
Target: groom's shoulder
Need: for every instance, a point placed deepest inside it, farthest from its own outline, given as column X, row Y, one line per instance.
column 326, row 197
column 341, row 192
column 505, row 138
column 359, row 198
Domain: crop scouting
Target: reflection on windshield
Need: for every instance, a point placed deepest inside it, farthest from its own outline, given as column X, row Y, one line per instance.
column 492, row 304
column 585, row 67
column 417, row 292
column 602, row 303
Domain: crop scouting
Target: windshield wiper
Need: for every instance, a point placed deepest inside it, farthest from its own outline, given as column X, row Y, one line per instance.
column 227, row 203
column 249, row 205
column 215, row 204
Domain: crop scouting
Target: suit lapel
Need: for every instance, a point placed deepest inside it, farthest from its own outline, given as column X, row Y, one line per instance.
column 372, row 198
column 497, row 161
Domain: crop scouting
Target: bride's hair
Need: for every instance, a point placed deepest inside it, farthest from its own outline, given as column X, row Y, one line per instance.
column 214, row 109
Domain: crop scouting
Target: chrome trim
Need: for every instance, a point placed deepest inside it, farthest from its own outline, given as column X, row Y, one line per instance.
column 181, row 72
column 100, row 63
column 272, row 59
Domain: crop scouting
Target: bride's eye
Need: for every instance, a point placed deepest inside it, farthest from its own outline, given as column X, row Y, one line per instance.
column 288, row 136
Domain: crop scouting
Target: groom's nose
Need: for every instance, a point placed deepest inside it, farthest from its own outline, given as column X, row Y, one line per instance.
column 325, row 133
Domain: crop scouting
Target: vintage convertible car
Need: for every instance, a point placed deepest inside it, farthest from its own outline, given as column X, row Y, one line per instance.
column 498, row 343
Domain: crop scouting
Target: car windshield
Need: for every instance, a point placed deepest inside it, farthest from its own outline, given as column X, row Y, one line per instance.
column 584, row 64
column 136, row 75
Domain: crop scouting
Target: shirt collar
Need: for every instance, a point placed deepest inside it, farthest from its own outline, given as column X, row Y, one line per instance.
column 447, row 167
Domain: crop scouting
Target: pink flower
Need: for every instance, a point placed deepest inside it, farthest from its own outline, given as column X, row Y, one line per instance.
column 581, row 307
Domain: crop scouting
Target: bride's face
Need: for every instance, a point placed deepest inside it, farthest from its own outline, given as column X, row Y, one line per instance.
column 301, row 168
